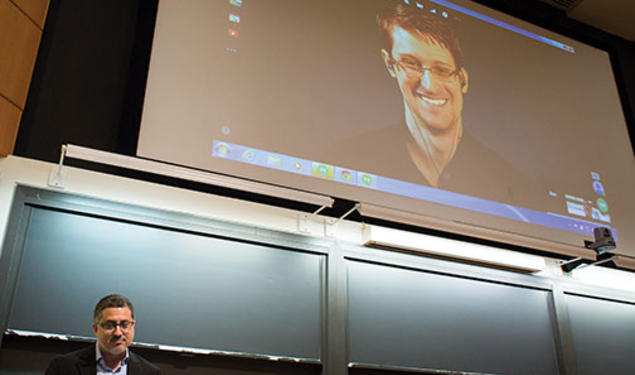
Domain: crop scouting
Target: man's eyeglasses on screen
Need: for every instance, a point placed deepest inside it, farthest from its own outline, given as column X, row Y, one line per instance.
column 412, row 68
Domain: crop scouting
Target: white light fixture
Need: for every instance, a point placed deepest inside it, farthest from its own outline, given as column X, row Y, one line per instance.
column 406, row 217
column 144, row 165
column 605, row 277
column 465, row 251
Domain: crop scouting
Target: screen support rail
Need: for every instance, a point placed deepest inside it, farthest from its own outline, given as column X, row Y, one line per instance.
column 57, row 177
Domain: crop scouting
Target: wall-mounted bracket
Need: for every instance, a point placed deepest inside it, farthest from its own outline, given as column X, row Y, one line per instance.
column 330, row 226
column 304, row 220
column 57, row 177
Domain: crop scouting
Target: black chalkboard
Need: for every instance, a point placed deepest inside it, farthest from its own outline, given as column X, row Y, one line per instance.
column 252, row 296
column 413, row 319
column 603, row 335
column 189, row 289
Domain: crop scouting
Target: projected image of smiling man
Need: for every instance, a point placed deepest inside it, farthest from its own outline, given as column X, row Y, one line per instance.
column 423, row 55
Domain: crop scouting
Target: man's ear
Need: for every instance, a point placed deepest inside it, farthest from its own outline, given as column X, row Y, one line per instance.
column 95, row 328
column 464, row 80
column 390, row 66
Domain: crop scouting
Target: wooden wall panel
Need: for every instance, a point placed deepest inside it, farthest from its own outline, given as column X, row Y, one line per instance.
column 21, row 23
column 9, row 121
column 19, row 40
column 35, row 9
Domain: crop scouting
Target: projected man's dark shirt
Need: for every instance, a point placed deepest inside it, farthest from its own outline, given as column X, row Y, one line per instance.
column 475, row 169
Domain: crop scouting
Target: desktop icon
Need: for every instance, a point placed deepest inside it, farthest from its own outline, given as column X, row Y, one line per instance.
column 274, row 161
column 367, row 179
column 249, row 156
column 234, row 18
column 602, row 205
column 598, row 187
column 221, row 150
column 598, row 215
column 297, row 165
column 595, row 175
column 345, row 175
column 237, row 3
column 322, row 171
column 233, row 33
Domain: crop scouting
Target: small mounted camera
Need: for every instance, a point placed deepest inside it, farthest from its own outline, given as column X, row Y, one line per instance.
column 604, row 241
column 602, row 245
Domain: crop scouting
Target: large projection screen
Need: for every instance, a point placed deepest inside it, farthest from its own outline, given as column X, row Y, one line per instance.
column 443, row 108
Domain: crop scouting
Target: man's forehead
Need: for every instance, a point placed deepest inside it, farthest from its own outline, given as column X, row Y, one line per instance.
column 116, row 312
column 402, row 34
column 424, row 46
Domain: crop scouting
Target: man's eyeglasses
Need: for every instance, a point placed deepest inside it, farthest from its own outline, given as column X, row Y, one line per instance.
column 412, row 68
column 111, row 325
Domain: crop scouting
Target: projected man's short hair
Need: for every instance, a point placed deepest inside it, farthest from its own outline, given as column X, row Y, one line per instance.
column 414, row 20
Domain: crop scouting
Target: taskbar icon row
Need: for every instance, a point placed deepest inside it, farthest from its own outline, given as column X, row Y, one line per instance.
column 292, row 164
column 393, row 186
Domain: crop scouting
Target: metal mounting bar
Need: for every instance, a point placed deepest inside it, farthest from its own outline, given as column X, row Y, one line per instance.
column 151, row 166
column 355, row 207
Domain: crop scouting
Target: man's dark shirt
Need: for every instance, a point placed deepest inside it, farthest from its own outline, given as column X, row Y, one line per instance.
column 83, row 362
